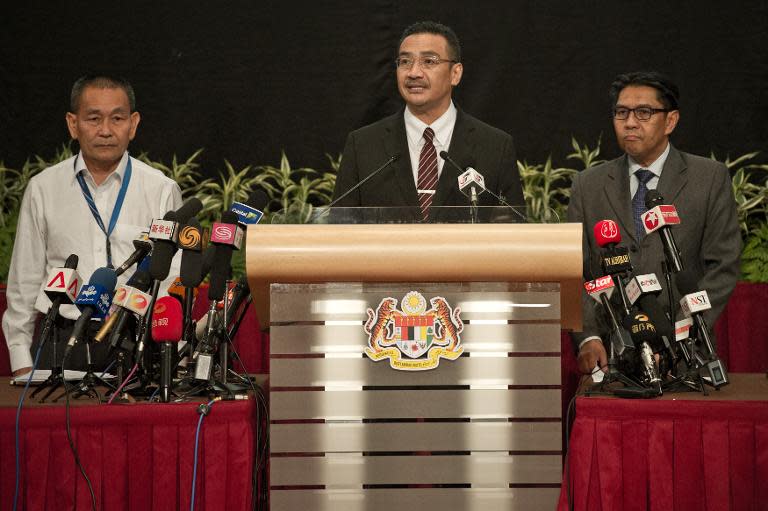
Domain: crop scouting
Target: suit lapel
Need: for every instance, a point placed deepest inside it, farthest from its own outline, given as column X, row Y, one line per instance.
column 617, row 193
column 461, row 151
column 674, row 176
column 396, row 142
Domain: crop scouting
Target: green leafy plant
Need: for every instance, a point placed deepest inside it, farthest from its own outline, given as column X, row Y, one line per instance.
column 186, row 174
column 754, row 258
column 294, row 193
column 547, row 189
column 750, row 189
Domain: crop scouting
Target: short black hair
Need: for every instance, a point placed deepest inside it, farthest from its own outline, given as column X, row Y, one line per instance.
column 101, row 81
column 433, row 27
column 666, row 90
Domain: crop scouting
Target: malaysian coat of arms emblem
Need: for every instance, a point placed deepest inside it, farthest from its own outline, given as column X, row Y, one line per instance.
column 414, row 338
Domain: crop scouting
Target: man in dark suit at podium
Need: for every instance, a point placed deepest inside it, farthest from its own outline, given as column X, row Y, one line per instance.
column 428, row 67
column 645, row 113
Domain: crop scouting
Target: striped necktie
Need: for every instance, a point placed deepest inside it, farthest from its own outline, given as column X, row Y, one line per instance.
column 427, row 179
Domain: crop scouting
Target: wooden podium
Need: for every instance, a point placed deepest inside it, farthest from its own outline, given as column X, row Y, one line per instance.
column 481, row 431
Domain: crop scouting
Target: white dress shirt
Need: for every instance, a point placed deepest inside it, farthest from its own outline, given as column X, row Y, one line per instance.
column 414, row 129
column 55, row 221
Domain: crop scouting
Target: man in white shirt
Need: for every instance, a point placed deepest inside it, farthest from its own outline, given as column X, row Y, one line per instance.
column 428, row 65
column 645, row 113
column 55, row 219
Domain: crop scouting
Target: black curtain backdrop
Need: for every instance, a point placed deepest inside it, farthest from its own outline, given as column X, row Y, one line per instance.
column 247, row 79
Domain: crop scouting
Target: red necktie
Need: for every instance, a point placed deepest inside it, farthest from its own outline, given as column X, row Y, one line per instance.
column 427, row 180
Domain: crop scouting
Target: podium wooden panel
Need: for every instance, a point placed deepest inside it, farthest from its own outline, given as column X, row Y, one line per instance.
column 479, row 432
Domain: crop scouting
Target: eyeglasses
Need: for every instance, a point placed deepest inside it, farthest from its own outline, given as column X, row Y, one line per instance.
column 642, row 113
column 425, row 61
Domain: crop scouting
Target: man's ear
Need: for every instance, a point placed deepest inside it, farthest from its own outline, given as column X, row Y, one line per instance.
column 135, row 119
column 72, row 125
column 457, row 70
column 671, row 122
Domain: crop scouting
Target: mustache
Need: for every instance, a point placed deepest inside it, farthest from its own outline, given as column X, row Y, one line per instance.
column 415, row 83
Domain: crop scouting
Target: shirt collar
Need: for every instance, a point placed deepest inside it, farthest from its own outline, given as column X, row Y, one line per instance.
column 79, row 166
column 443, row 126
column 656, row 167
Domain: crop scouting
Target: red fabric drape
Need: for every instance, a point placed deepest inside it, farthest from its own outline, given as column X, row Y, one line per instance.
column 136, row 456
column 664, row 455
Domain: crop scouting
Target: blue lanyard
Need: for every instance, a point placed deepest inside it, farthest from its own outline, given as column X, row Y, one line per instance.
column 115, row 211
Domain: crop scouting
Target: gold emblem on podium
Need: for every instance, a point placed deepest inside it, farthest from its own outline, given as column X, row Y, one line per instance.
column 414, row 338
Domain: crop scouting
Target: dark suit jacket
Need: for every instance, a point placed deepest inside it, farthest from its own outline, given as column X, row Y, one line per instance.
column 473, row 143
column 708, row 234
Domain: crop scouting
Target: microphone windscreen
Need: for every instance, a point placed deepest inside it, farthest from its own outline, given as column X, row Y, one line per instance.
column 167, row 320
column 228, row 217
column 141, row 280
column 190, row 208
column 258, row 199
column 606, row 232
column 162, row 253
column 653, row 199
column 641, row 329
column 104, row 277
column 72, row 261
column 208, row 255
column 652, row 308
column 192, row 261
column 220, row 272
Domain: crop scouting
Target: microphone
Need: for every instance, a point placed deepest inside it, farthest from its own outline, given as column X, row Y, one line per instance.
column 190, row 208
column 256, row 202
column 226, row 236
column 386, row 164
column 191, row 243
column 143, row 246
column 62, row 286
column 660, row 217
column 252, row 211
column 63, row 283
column 479, row 181
column 469, row 181
column 601, row 290
column 220, row 272
column 93, row 301
column 167, row 331
column 132, row 297
column 615, row 258
column 644, row 335
column 693, row 305
column 643, row 290
column 163, row 232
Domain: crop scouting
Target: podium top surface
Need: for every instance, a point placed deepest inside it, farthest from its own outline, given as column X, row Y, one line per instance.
column 417, row 253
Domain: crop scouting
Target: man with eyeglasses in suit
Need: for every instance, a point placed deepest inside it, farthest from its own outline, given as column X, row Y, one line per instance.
column 428, row 66
column 645, row 113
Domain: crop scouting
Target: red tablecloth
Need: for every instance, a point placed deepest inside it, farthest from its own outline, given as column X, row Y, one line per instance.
column 138, row 457
column 692, row 453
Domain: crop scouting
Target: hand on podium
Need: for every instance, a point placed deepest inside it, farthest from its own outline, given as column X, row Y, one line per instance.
column 592, row 353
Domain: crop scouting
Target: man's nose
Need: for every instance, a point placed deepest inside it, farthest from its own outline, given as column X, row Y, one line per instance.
column 103, row 129
column 631, row 121
column 416, row 70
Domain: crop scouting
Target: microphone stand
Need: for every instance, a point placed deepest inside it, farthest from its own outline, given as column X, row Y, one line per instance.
column 473, row 206
column 56, row 378
column 87, row 385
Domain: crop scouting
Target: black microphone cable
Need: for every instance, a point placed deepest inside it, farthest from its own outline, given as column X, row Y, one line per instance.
column 72, row 446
